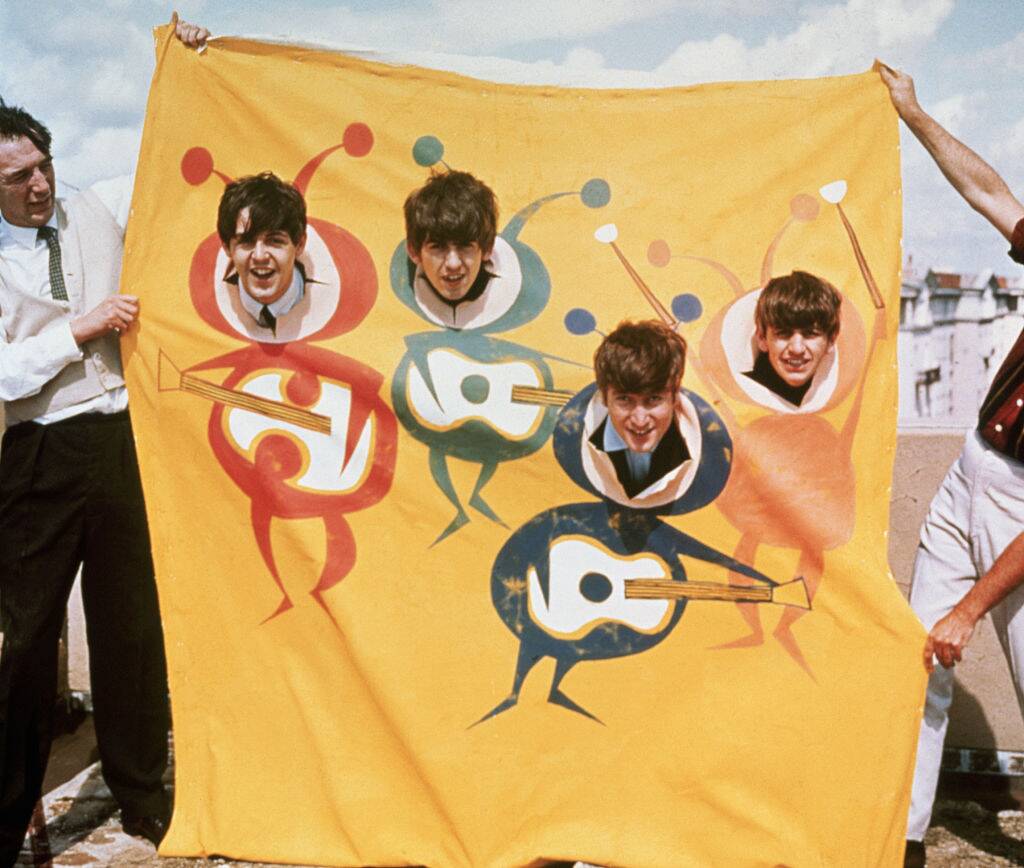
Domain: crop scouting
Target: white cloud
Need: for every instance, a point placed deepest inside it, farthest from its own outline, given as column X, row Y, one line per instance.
column 525, row 20
column 981, row 120
column 581, row 68
column 76, row 59
column 954, row 113
column 96, row 111
column 940, row 226
column 88, row 80
column 584, row 59
column 901, row 23
column 103, row 153
column 159, row 7
column 838, row 38
column 450, row 26
column 84, row 78
column 722, row 58
column 1008, row 56
column 115, row 85
column 1010, row 146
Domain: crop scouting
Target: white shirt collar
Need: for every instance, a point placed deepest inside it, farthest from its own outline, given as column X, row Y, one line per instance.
column 24, row 236
column 292, row 296
column 612, row 441
column 639, row 462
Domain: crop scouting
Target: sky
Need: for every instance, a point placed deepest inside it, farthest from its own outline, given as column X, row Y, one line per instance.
column 84, row 68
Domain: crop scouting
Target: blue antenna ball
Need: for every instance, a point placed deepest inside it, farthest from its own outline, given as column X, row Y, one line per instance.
column 427, row 150
column 579, row 321
column 687, row 307
column 596, row 193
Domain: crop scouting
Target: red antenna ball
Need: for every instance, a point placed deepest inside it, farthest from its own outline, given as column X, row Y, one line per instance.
column 196, row 166
column 358, row 140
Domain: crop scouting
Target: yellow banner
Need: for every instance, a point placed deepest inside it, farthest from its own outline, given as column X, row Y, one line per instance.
column 411, row 619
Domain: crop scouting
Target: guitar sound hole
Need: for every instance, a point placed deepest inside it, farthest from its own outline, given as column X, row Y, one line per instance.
column 595, row 587
column 475, row 389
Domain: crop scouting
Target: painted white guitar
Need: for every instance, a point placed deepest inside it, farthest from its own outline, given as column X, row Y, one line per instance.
column 466, row 389
column 259, row 407
column 589, row 585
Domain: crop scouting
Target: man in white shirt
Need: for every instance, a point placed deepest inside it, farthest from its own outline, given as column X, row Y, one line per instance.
column 70, row 493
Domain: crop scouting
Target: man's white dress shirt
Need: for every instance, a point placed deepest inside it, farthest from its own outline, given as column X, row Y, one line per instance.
column 28, row 365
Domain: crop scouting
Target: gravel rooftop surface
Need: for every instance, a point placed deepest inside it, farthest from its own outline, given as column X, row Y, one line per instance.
column 963, row 835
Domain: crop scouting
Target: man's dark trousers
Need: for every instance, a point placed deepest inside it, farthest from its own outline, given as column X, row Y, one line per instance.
column 70, row 494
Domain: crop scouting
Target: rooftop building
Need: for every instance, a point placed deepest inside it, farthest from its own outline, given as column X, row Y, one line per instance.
column 955, row 330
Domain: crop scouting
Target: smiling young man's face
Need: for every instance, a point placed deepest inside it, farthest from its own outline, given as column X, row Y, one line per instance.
column 640, row 419
column 451, row 268
column 265, row 262
column 794, row 354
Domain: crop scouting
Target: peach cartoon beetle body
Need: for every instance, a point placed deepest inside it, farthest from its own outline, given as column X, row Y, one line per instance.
column 793, row 483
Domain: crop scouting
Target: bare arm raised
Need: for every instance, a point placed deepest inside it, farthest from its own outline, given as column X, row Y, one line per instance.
column 973, row 178
column 987, row 193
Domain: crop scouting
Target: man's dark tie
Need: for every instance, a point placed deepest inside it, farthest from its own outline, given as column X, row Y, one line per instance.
column 267, row 319
column 57, row 288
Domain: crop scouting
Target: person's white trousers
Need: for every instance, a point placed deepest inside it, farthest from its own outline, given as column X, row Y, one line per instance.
column 975, row 515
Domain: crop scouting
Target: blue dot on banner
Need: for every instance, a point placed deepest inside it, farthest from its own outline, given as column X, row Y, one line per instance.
column 427, row 150
column 579, row 321
column 596, row 193
column 687, row 307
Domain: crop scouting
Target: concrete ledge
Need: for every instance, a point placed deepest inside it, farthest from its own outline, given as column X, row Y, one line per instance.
column 985, row 762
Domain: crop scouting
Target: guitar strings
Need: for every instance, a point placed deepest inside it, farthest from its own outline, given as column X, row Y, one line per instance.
column 274, row 409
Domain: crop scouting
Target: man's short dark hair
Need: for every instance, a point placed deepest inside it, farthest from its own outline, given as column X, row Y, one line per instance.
column 640, row 357
column 452, row 207
column 273, row 206
column 799, row 301
column 15, row 122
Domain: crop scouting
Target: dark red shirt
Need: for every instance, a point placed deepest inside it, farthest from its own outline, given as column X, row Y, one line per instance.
column 1000, row 420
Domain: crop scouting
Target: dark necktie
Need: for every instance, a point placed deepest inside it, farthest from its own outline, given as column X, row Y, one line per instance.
column 267, row 320
column 57, row 288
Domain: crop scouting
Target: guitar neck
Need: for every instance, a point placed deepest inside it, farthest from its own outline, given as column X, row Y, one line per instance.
column 264, row 406
column 665, row 589
column 544, row 397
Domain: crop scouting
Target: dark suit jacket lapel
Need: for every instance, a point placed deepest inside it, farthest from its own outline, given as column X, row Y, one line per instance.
column 668, row 455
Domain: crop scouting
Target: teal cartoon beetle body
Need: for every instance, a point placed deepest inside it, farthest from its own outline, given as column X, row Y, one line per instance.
column 454, row 389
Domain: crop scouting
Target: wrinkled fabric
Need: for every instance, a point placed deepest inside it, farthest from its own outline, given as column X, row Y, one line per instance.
column 409, row 619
